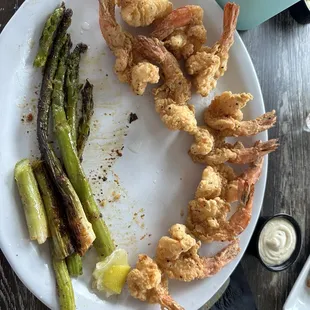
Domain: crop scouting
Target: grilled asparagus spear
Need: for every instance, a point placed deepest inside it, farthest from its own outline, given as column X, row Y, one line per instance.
column 103, row 242
column 32, row 202
column 80, row 227
column 57, row 226
column 47, row 37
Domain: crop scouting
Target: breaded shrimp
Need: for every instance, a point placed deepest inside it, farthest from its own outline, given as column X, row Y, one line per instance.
column 147, row 283
column 235, row 153
column 140, row 13
column 207, row 218
column 182, row 31
column 224, row 114
column 178, row 256
column 171, row 98
column 221, row 181
column 208, row 64
column 129, row 67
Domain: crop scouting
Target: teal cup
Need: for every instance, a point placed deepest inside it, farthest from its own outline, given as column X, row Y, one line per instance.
column 255, row 12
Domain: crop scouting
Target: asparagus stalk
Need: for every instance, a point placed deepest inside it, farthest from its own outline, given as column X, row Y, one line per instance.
column 32, row 202
column 73, row 87
column 87, row 113
column 74, row 265
column 47, row 37
column 63, row 284
column 103, row 243
column 59, row 233
column 80, row 227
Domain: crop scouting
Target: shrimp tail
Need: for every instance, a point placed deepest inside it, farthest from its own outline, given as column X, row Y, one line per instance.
column 177, row 18
column 231, row 13
column 252, row 127
column 267, row 120
column 215, row 264
column 255, row 153
column 266, row 147
column 167, row 302
column 106, row 15
column 241, row 218
column 151, row 49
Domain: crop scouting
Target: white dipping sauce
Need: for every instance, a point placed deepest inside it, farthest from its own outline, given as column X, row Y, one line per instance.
column 277, row 241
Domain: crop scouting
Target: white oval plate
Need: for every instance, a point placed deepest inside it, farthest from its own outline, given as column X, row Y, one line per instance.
column 155, row 177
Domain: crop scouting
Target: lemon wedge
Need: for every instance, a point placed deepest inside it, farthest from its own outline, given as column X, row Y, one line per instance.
column 114, row 279
column 110, row 274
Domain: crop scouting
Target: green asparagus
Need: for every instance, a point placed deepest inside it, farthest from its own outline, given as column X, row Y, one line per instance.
column 103, row 242
column 73, row 87
column 32, row 202
column 87, row 113
column 47, row 37
column 57, row 226
column 74, row 265
column 63, row 284
column 81, row 229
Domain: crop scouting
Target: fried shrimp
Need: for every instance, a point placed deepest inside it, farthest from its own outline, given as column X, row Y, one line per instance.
column 221, row 181
column 182, row 31
column 171, row 98
column 207, row 218
column 207, row 65
column 147, row 283
column 178, row 258
column 224, row 114
column 129, row 67
column 140, row 13
column 235, row 153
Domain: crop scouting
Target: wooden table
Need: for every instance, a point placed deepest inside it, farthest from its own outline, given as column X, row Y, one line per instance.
column 280, row 50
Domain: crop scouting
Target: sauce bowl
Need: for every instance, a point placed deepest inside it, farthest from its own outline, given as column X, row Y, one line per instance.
column 253, row 248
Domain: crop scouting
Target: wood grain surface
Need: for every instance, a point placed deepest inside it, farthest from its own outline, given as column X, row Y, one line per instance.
column 280, row 50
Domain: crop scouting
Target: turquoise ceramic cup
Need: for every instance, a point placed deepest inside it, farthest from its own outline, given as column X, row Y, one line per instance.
column 255, row 12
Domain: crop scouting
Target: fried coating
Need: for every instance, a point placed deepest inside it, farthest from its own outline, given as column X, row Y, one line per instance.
column 204, row 141
column 182, row 31
column 178, row 256
column 203, row 66
column 129, row 66
column 171, row 98
column 224, row 114
column 214, row 182
column 207, row 65
column 141, row 74
column 141, row 13
column 147, row 283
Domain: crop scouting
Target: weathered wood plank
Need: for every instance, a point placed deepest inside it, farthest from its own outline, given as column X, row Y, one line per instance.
column 280, row 52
